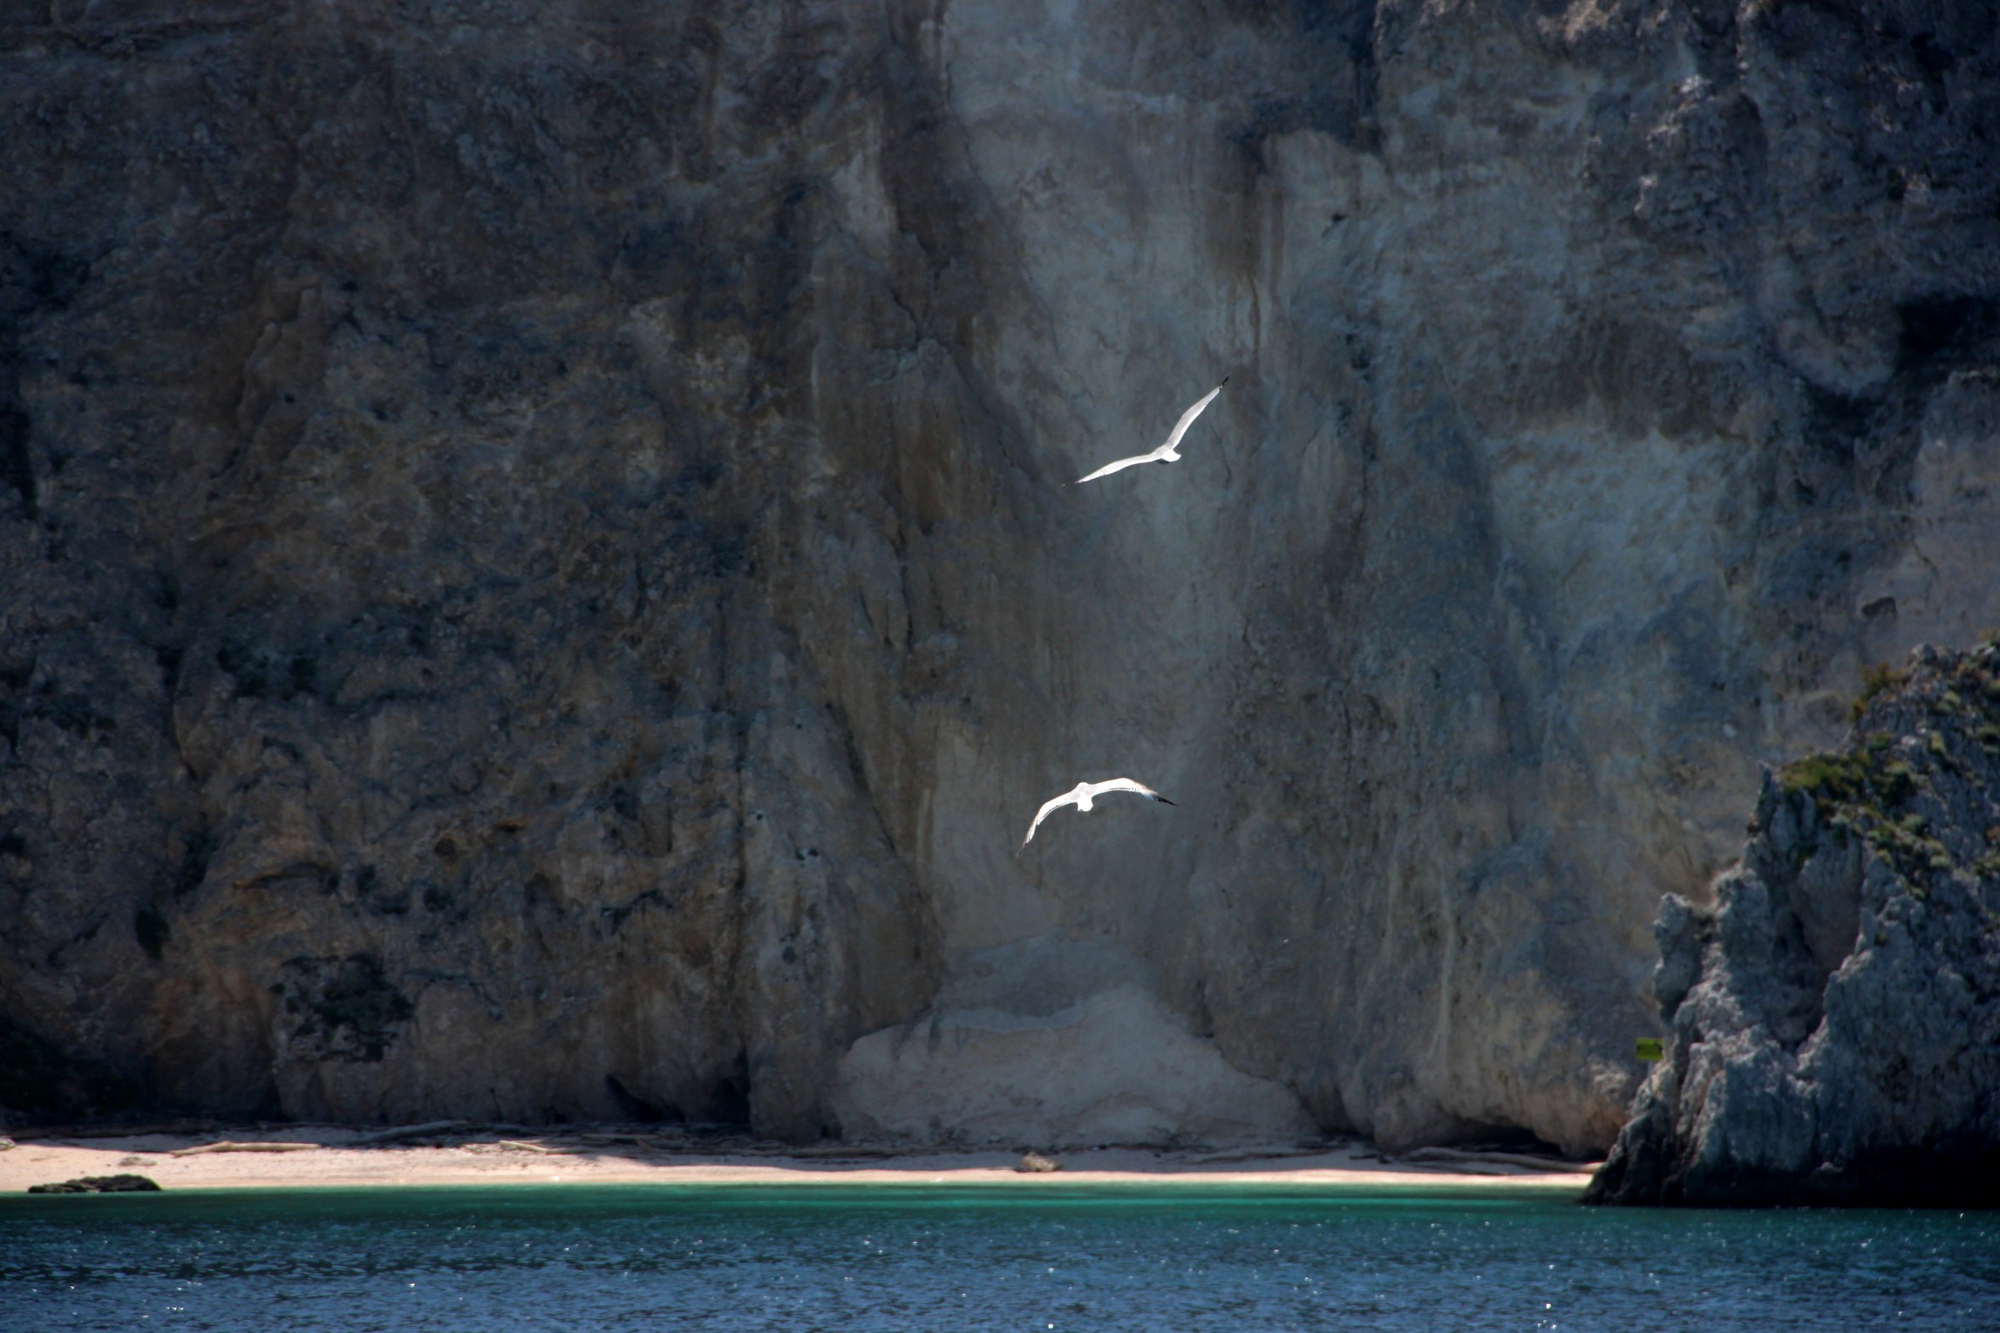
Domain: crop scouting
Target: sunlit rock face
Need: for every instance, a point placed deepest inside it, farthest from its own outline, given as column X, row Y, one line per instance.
column 1836, row 1010
column 1055, row 1042
column 540, row 579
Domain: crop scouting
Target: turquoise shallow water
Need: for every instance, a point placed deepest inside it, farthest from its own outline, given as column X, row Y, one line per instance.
column 937, row 1257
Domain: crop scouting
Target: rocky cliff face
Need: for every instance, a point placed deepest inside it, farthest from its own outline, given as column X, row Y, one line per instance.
column 539, row 580
column 1836, row 1013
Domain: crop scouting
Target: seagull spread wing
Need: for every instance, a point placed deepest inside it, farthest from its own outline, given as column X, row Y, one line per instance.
column 1187, row 418
column 1163, row 452
column 1126, row 784
column 1049, row 807
column 1093, row 790
column 1110, row 468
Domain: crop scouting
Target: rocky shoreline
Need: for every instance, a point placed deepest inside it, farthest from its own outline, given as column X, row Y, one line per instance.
column 1836, row 1009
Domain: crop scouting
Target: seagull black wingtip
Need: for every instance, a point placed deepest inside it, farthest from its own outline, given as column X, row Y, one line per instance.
column 1164, row 801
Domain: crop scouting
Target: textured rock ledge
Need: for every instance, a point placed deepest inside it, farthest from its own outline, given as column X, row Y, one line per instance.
column 1836, row 1012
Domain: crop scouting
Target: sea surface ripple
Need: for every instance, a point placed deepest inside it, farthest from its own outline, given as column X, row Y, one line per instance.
column 1040, row 1257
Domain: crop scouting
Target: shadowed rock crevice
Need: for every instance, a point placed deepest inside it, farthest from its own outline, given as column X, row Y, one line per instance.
column 39, row 1080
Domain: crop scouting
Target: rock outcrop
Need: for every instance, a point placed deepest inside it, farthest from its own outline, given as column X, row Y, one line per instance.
column 536, row 575
column 1836, row 1013
column 121, row 1184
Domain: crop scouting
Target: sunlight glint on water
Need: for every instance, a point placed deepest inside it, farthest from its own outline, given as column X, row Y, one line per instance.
column 1141, row 1257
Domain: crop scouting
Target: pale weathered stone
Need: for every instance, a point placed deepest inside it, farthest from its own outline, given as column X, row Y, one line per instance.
column 1058, row 1042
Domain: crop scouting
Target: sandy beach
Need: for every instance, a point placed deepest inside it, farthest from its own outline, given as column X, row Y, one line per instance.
column 325, row 1156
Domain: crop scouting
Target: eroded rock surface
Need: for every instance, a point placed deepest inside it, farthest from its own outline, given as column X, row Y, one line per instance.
column 1836, row 1013
column 1056, row 1042
column 536, row 577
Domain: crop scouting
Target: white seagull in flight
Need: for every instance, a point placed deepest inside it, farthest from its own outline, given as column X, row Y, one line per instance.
column 1084, row 793
column 1167, row 452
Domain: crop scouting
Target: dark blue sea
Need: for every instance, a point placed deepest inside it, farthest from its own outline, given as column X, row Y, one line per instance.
column 1036, row 1258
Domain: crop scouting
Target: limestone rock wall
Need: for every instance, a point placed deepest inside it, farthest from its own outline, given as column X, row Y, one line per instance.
column 1836, row 1013
column 536, row 573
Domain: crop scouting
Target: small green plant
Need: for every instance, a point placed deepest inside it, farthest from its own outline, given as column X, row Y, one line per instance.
column 1906, row 844
column 1840, row 776
column 347, row 1008
column 1851, row 779
column 1895, row 781
column 1874, row 680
